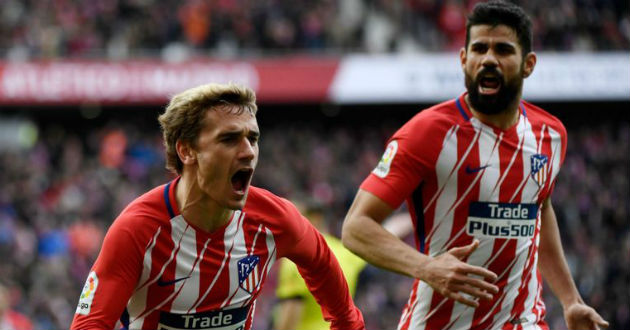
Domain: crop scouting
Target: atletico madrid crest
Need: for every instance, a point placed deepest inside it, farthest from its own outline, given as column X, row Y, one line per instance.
column 248, row 275
column 540, row 166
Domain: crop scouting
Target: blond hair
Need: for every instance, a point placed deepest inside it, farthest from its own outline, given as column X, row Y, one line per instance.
column 183, row 118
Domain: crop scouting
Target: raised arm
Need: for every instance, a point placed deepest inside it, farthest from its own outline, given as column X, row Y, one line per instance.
column 554, row 269
column 447, row 274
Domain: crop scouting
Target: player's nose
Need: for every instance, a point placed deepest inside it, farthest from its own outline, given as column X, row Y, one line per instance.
column 247, row 150
column 489, row 59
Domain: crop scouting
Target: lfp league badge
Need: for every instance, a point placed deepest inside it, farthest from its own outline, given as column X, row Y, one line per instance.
column 248, row 275
column 540, row 167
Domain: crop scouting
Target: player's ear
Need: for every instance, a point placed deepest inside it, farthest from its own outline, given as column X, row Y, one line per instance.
column 529, row 62
column 462, row 58
column 185, row 152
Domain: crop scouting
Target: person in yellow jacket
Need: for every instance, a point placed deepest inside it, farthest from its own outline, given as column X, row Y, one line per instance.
column 297, row 309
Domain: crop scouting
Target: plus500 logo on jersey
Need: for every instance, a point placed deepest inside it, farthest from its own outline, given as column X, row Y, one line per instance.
column 502, row 220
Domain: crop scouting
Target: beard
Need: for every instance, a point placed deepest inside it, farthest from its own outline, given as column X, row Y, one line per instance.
column 499, row 102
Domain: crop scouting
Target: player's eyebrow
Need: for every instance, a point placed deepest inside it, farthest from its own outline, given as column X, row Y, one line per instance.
column 238, row 132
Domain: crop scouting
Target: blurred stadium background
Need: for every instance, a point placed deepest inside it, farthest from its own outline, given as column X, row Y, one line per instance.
column 81, row 84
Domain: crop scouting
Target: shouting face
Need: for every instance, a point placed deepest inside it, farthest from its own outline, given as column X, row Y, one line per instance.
column 494, row 68
column 226, row 155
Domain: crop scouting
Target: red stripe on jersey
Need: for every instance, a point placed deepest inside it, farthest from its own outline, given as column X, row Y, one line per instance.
column 226, row 260
column 512, row 171
column 405, row 319
column 524, row 293
column 162, row 268
column 467, row 188
column 439, row 303
column 461, row 156
column 258, row 244
column 539, row 307
column 453, row 171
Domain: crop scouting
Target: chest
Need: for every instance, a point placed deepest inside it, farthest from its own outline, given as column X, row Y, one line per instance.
column 188, row 271
column 516, row 165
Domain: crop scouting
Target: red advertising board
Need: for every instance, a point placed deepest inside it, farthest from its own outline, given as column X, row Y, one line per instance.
column 278, row 80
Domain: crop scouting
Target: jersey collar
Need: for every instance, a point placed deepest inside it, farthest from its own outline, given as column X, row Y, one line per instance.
column 169, row 197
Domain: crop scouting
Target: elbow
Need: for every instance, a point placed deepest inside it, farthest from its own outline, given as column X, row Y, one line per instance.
column 348, row 236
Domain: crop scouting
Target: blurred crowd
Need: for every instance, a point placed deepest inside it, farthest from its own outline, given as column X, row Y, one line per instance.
column 174, row 29
column 61, row 189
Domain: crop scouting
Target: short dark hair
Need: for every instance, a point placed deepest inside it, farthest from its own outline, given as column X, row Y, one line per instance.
column 497, row 12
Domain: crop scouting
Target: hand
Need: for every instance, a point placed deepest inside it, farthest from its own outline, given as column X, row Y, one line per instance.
column 449, row 275
column 582, row 317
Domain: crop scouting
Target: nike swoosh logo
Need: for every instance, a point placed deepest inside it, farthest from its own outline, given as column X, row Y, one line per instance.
column 473, row 170
column 161, row 282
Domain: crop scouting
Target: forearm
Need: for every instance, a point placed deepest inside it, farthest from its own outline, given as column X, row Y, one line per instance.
column 369, row 240
column 552, row 262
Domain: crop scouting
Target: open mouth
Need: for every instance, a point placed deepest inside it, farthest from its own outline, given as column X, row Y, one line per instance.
column 240, row 180
column 489, row 84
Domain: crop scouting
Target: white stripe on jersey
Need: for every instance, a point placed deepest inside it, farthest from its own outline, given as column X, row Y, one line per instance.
column 187, row 266
column 423, row 297
column 555, row 153
column 180, row 231
column 462, row 315
column 446, row 170
column 233, row 237
column 521, row 129
column 411, row 306
column 443, row 177
column 532, row 290
column 234, row 225
column 271, row 247
column 447, row 166
column 236, row 294
column 137, row 305
column 529, row 194
column 485, row 160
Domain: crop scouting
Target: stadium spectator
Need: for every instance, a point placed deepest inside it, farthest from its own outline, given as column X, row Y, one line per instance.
column 109, row 28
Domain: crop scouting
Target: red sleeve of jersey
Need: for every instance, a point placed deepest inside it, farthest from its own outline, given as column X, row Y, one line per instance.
column 409, row 157
column 299, row 241
column 112, row 278
column 563, row 137
column 324, row 277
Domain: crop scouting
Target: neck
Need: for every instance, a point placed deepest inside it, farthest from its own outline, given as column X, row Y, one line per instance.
column 503, row 120
column 197, row 207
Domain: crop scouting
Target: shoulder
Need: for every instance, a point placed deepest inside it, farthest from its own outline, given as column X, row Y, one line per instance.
column 445, row 113
column 143, row 215
column 431, row 123
column 276, row 213
column 265, row 204
column 538, row 117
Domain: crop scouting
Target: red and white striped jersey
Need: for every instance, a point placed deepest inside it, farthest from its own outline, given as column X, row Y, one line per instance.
column 157, row 271
column 462, row 180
